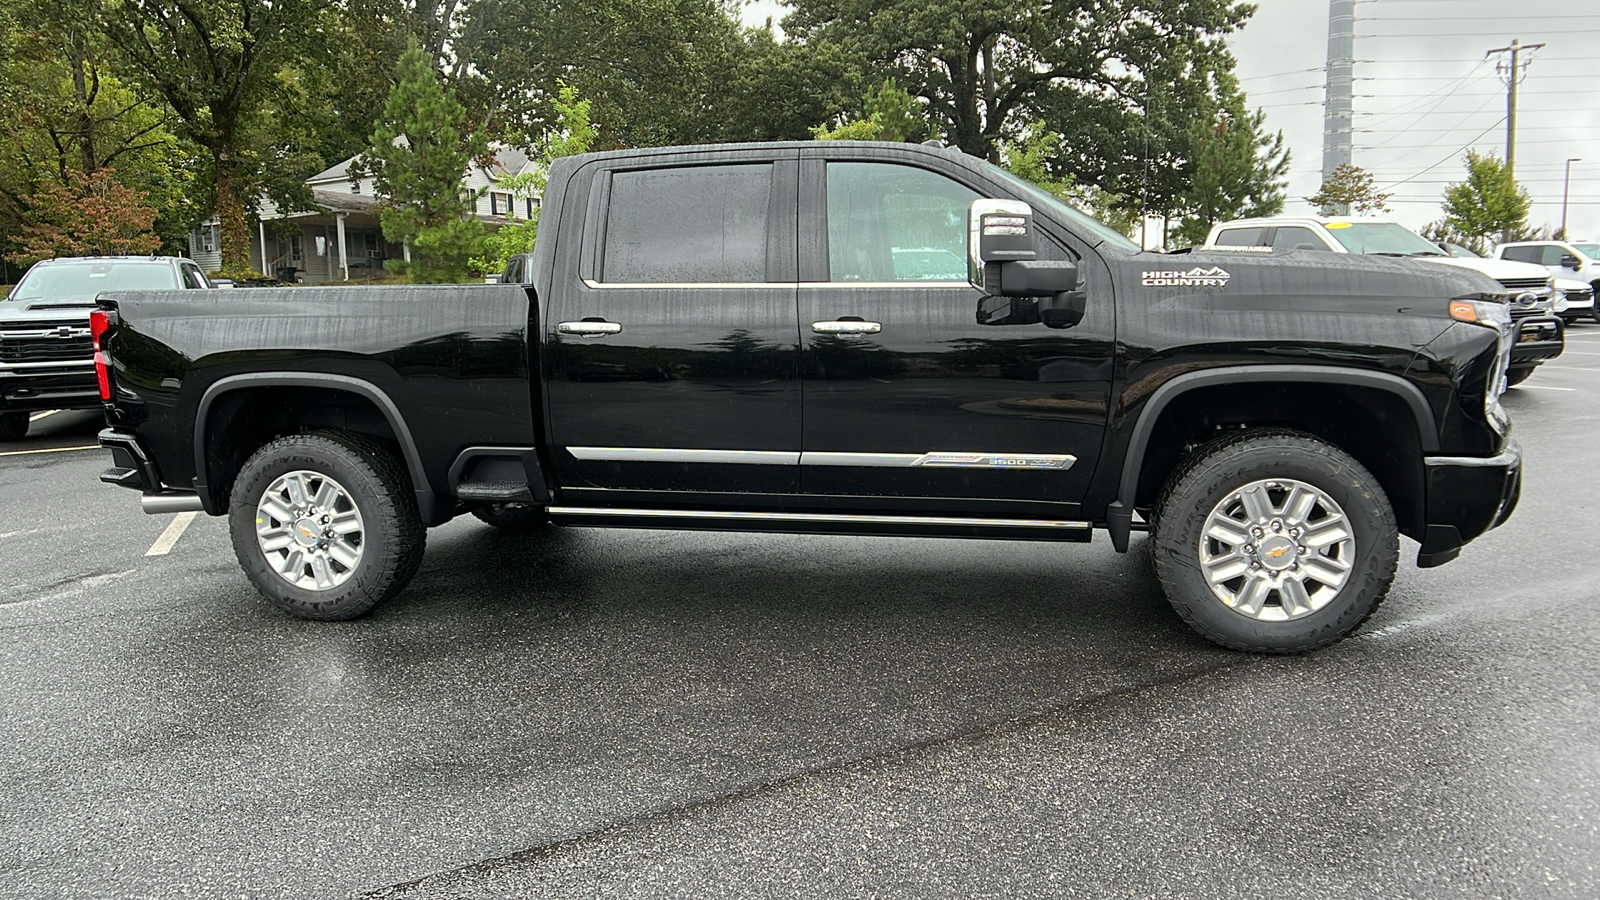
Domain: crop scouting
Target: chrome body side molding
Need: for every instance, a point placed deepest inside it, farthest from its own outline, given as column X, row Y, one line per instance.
column 936, row 460
column 942, row 460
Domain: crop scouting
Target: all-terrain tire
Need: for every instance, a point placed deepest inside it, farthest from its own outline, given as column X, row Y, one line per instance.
column 1212, row 475
column 375, row 485
column 13, row 426
column 1515, row 377
column 513, row 516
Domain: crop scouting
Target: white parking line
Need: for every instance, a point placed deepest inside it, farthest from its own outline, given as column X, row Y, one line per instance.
column 50, row 450
column 1543, row 387
column 164, row 543
column 37, row 416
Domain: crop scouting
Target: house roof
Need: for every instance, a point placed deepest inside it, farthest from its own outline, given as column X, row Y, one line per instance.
column 507, row 161
column 335, row 201
column 341, row 172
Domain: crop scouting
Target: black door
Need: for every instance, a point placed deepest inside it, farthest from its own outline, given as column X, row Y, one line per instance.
column 672, row 352
column 906, row 394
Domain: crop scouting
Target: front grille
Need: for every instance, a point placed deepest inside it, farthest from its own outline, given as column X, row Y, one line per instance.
column 1580, row 297
column 1525, row 284
column 46, row 342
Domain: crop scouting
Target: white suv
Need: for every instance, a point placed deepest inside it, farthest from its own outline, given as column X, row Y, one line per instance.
column 1577, row 260
column 1381, row 237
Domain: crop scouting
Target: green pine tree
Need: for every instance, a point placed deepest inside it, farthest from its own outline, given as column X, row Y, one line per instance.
column 418, row 157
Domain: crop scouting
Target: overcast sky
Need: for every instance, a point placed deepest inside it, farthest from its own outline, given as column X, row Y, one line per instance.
column 1425, row 92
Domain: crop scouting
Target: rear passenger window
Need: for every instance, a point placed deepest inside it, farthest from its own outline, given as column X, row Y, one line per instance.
column 1296, row 238
column 1521, row 254
column 705, row 224
column 1240, row 237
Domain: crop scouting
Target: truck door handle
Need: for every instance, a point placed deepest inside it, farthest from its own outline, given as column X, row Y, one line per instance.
column 589, row 328
column 847, row 326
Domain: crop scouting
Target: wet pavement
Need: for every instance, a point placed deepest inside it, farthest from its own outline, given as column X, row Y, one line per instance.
column 587, row 713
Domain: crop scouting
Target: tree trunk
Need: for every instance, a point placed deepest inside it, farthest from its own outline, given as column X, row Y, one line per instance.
column 88, row 163
column 235, row 243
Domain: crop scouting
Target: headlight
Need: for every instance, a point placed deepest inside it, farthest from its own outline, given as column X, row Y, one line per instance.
column 1494, row 314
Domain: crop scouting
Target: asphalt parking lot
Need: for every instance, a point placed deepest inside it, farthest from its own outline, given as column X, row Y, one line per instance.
column 666, row 714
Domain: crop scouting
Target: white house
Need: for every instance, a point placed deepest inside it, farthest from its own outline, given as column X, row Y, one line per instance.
column 341, row 239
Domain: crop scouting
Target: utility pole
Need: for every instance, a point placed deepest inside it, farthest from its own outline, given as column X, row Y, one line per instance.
column 1514, row 73
column 1566, row 187
column 1338, row 106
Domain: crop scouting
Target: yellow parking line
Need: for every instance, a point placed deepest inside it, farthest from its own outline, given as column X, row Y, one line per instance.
column 50, row 450
column 175, row 530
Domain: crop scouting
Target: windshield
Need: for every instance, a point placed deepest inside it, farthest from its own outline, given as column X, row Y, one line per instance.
column 1590, row 250
column 1039, row 197
column 1381, row 239
column 83, row 280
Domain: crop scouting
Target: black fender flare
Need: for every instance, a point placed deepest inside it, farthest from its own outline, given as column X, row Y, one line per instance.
column 428, row 503
column 1119, row 513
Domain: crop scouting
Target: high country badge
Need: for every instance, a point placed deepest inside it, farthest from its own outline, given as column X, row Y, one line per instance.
column 1195, row 277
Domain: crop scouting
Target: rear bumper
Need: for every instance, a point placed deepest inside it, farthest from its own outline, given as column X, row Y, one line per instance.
column 1538, row 338
column 1467, row 496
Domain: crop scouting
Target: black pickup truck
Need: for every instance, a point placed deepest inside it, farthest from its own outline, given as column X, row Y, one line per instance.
column 839, row 338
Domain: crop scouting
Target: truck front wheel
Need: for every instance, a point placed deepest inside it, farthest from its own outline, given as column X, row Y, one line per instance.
column 1273, row 541
column 326, row 525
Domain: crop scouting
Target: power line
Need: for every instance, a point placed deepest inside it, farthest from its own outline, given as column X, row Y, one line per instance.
column 1446, row 159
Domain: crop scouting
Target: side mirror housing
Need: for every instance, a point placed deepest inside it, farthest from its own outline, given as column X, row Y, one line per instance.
column 997, row 231
column 1568, row 261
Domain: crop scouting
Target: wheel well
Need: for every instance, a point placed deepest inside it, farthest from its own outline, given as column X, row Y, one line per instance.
column 240, row 422
column 1376, row 427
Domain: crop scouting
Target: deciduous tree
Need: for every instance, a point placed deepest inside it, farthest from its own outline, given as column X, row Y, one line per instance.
column 1489, row 202
column 985, row 67
column 889, row 113
column 85, row 215
column 573, row 133
column 216, row 64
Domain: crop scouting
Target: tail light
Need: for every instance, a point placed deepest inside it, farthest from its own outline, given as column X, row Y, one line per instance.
column 99, row 324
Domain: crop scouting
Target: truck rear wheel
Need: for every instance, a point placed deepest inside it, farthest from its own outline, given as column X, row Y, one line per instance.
column 325, row 525
column 1273, row 541
column 13, row 426
column 1515, row 377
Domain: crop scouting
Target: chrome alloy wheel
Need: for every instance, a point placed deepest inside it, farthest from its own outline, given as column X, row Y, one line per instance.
column 310, row 530
column 1277, row 550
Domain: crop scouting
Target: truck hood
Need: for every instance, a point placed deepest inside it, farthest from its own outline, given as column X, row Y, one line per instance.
column 1317, row 273
column 1498, row 269
column 45, row 310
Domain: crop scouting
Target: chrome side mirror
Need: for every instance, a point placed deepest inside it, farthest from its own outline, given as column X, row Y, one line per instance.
column 997, row 231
